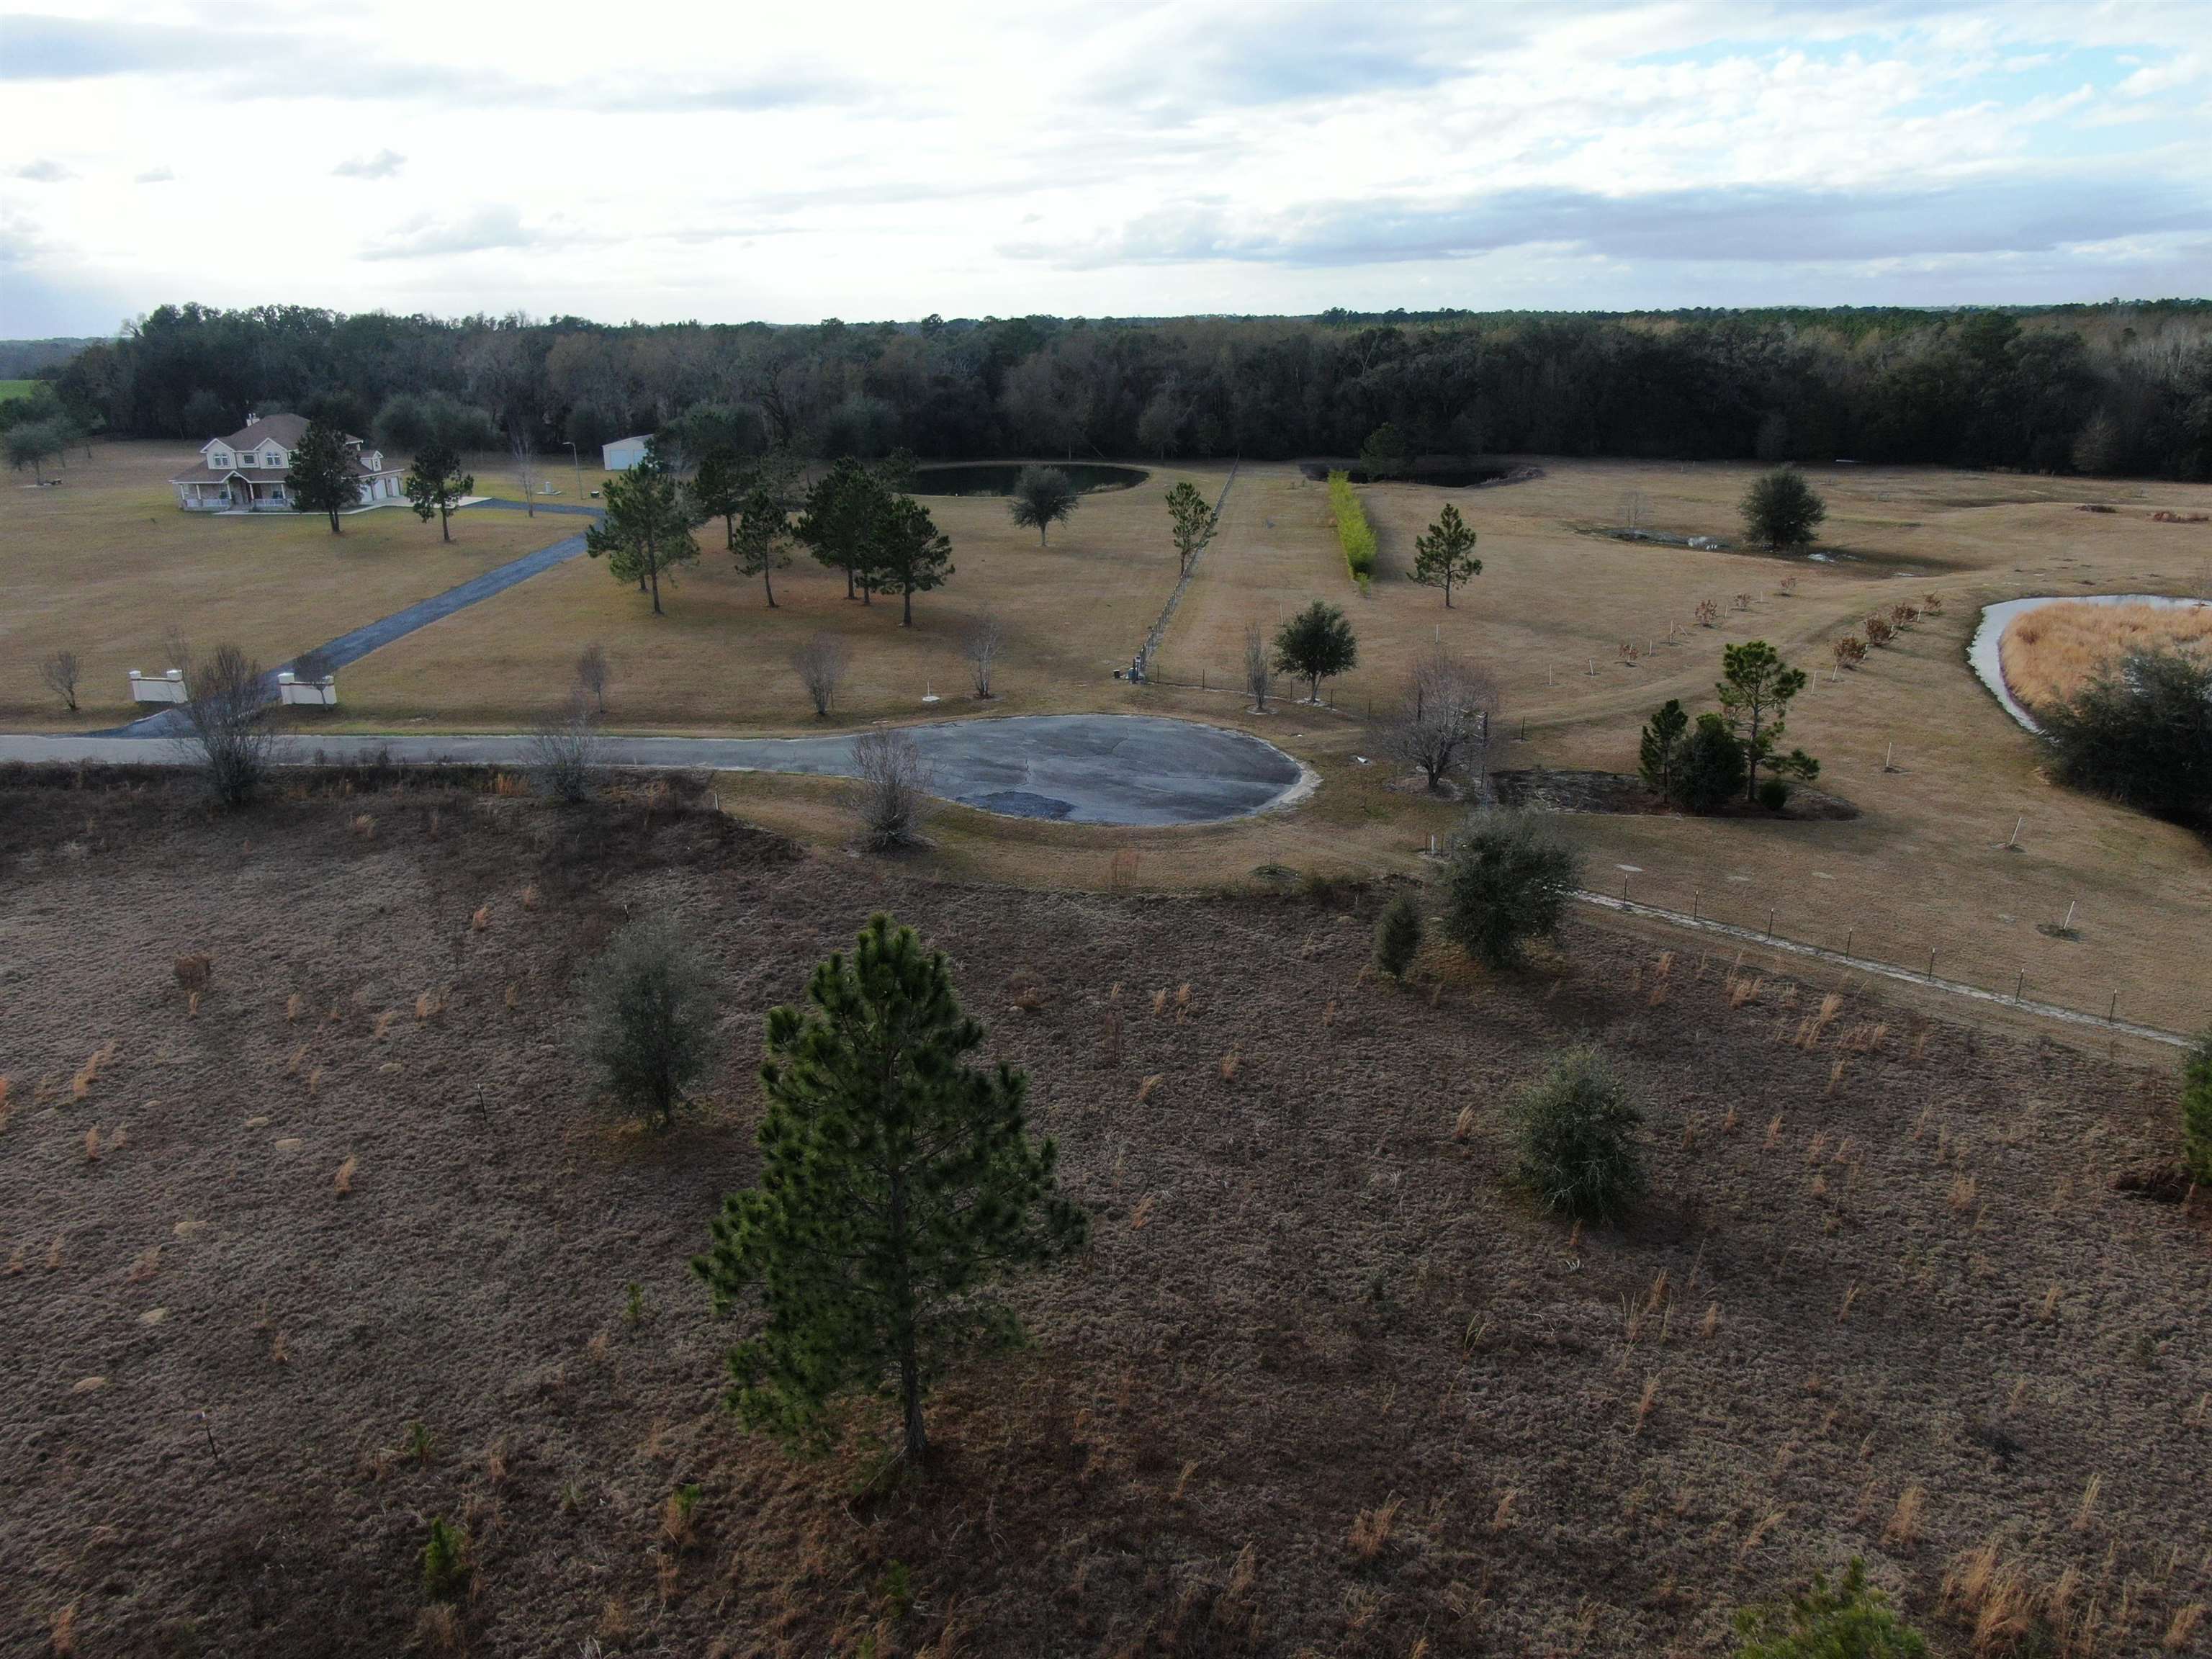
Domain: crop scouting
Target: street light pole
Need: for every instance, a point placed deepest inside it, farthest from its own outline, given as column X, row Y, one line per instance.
column 577, row 461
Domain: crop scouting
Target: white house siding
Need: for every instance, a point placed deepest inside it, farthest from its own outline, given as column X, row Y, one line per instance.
column 623, row 454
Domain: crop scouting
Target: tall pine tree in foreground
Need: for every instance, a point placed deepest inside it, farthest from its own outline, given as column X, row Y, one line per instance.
column 323, row 477
column 898, row 1184
column 647, row 528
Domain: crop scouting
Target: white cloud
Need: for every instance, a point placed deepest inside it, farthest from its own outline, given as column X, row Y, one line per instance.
column 156, row 176
column 382, row 164
column 43, row 171
column 1205, row 154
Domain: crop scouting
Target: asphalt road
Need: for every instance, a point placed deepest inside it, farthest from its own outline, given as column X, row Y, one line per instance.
column 1080, row 768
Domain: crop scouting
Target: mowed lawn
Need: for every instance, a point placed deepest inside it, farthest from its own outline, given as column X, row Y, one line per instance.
column 105, row 563
column 718, row 659
column 1926, row 865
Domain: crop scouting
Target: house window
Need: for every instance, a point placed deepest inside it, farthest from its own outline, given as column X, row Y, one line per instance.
column 221, row 460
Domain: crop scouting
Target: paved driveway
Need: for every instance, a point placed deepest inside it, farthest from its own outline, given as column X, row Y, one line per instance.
column 1081, row 769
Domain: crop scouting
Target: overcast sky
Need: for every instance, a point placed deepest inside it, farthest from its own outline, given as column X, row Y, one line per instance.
column 791, row 162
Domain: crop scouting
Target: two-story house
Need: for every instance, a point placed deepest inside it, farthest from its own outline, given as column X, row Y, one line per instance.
column 246, row 471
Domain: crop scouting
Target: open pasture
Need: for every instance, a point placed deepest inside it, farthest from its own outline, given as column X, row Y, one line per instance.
column 1072, row 611
column 106, row 564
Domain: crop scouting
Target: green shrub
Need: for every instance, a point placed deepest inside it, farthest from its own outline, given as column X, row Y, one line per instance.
column 2141, row 732
column 2197, row 1111
column 648, row 1016
column 1851, row 1621
column 1577, row 1135
column 1712, row 774
column 1398, row 936
column 1508, row 881
column 446, row 1570
column 1353, row 532
column 1774, row 794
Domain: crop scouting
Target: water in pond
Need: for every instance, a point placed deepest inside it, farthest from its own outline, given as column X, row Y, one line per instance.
column 997, row 477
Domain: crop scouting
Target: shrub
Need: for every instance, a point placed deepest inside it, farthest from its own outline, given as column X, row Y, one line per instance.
column 1398, row 936
column 1576, row 1132
column 1773, row 794
column 1509, row 881
column 2140, row 731
column 1880, row 630
column 1851, row 1621
column 894, row 785
column 446, row 1570
column 567, row 755
column 1353, row 533
column 820, row 666
column 227, row 737
column 1712, row 766
column 2197, row 1111
column 1660, row 754
column 1781, row 510
column 648, row 1013
column 1851, row 651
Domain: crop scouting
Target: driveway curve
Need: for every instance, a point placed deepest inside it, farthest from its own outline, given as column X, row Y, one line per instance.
column 1127, row 769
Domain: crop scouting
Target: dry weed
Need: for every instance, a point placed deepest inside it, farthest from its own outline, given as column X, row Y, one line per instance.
column 1645, row 1401
column 1463, row 1125
column 1150, row 1087
column 1141, row 1216
column 1231, row 1063
column 341, row 1182
column 481, row 919
column 2085, row 1513
column 1903, row 1532
column 1371, row 1530
column 2183, row 1629
column 1502, row 1517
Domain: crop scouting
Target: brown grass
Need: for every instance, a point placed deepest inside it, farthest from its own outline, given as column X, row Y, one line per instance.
column 1371, row 1530
column 2051, row 652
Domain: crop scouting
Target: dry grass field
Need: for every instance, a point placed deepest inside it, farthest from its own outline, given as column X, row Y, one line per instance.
column 1074, row 612
column 357, row 1250
column 2053, row 652
column 106, row 563
column 1939, row 776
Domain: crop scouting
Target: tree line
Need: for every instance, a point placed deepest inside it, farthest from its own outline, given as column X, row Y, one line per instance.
column 2118, row 388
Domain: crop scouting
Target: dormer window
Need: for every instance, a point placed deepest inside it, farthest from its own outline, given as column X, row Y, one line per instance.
column 221, row 458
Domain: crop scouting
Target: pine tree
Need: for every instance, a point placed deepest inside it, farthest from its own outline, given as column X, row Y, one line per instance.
column 1445, row 554
column 912, row 555
column 758, row 529
column 843, row 514
column 435, row 483
column 649, row 526
column 323, row 477
column 1755, row 689
column 1659, row 754
column 898, row 1182
column 1193, row 520
column 1398, row 936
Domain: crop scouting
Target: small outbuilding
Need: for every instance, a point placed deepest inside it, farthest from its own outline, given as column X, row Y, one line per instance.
column 624, row 453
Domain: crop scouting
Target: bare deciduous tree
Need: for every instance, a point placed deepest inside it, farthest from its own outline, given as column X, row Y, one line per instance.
column 59, row 672
column 820, row 666
column 227, row 738
column 1259, row 668
column 893, row 783
column 526, row 464
column 592, row 675
column 1441, row 725
column 980, row 642
column 567, row 753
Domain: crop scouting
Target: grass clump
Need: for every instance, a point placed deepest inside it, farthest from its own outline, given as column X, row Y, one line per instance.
column 1398, row 936
column 1850, row 1620
column 1577, row 1135
column 2197, row 1111
column 1509, row 881
column 446, row 1570
column 648, row 1013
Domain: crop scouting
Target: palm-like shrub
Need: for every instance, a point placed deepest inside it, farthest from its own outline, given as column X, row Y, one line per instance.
column 648, row 1015
column 1576, row 1133
column 1398, row 936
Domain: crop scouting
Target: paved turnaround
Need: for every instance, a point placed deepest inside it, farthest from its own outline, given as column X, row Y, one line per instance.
column 1082, row 768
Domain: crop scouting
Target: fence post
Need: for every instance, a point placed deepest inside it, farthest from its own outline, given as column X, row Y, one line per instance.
column 1849, row 934
column 1769, row 921
column 1931, row 962
column 1695, row 892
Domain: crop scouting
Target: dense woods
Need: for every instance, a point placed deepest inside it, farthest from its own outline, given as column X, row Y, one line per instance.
column 2111, row 388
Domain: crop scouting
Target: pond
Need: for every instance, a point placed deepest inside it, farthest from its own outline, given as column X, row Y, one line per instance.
column 997, row 477
column 1987, row 660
